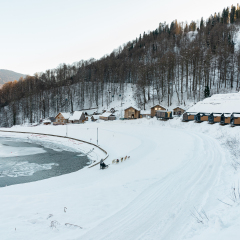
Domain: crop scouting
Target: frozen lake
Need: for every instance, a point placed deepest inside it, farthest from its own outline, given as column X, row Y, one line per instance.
column 22, row 162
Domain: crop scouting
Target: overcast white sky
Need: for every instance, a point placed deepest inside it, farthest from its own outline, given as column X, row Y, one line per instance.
column 39, row 35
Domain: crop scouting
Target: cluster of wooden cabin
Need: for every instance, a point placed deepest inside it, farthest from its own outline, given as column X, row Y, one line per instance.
column 78, row 117
column 222, row 118
column 66, row 117
column 155, row 111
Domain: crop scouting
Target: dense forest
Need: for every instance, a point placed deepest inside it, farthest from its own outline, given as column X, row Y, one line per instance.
column 174, row 58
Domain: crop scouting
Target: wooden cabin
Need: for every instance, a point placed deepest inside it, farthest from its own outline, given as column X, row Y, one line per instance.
column 77, row 117
column 201, row 117
column 131, row 113
column 52, row 119
column 62, row 118
column 235, row 119
column 214, row 118
column 156, row 108
column 107, row 116
column 164, row 115
column 178, row 111
column 225, row 118
column 188, row 116
column 94, row 118
column 46, row 122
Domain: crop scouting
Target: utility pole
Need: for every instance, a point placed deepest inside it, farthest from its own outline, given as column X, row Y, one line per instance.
column 97, row 136
column 66, row 130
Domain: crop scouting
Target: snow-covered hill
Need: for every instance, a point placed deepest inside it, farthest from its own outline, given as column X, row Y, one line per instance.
column 218, row 103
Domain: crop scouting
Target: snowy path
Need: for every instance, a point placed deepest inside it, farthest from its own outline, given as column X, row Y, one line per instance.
column 148, row 196
column 162, row 211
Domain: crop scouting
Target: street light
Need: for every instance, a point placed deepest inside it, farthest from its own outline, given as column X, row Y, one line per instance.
column 97, row 136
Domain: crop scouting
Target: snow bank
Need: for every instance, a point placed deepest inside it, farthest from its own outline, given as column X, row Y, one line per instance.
column 219, row 103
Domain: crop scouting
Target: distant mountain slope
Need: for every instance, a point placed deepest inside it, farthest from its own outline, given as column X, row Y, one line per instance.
column 7, row 76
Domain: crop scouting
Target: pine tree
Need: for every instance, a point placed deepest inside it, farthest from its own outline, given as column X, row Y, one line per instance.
column 206, row 92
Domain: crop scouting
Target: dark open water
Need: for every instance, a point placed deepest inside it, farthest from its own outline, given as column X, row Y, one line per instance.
column 30, row 168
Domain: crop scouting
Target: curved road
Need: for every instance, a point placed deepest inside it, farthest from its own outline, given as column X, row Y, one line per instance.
column 162, row 211
column 147, row 197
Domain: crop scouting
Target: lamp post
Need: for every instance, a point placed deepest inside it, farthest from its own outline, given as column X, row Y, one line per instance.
column 97, row 136
column 121, row 99
column 170, row 93
column 109, row 97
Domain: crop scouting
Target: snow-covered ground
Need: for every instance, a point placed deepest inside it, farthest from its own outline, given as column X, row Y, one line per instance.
column 218, row 103
column 172, row 187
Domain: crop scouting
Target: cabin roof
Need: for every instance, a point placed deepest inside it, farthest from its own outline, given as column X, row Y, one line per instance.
column 131, row 107
column 203, row 114
column 46, row 121
column 90, row 111
column 96, row 116
column 236, row 114
column 180, row 108
column 65, row 115
column 190, row 113
column 76, row 115
column 106, row 114
column 217, row 114
column 158, row 105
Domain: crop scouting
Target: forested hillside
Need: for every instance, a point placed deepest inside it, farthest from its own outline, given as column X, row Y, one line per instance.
column 7, row 76
column 176, row 58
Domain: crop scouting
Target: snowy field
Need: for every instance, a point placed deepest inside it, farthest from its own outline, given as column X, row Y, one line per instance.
column 172, row 187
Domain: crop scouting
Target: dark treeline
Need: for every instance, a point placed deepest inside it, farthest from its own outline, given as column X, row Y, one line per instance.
column 180, row 59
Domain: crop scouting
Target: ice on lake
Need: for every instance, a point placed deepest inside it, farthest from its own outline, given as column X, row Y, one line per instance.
column 20, row 169
column 10, row 151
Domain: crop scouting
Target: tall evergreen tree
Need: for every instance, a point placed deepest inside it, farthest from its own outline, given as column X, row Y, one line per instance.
column 206, row 92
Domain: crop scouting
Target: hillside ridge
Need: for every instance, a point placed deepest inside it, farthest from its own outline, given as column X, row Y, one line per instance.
column 8, row 75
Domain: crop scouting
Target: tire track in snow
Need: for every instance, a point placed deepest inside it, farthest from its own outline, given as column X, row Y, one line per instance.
column 162, row 211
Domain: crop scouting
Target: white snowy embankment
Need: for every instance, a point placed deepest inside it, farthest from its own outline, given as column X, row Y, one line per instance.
column 174, row 169
column 218, row 103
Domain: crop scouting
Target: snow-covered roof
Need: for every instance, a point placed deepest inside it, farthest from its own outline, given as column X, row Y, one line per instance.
column 236, row 114
column 106, row 114
column 158, row 105
column 217, row 114
column 225, row 103
column 190, row 113
column 227, row 114
column 203, row 114
column 65, row 115
column 46, row 121
column 96, row 116
column 146, row 111
column 90, row 111
column 180, row 108
column 132, row 107
column 76, row 115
